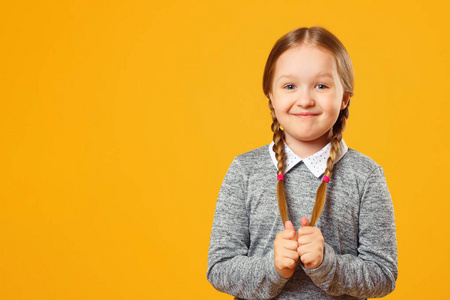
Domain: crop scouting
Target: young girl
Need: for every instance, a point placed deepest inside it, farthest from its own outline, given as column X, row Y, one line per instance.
column 347, row 248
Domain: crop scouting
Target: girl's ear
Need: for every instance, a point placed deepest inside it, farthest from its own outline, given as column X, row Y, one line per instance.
column 345, row 101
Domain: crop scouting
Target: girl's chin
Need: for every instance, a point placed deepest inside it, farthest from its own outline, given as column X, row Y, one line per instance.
column 308, row 138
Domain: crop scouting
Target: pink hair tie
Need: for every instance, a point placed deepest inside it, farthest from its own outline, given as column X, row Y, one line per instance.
column 326, row 178
column 280, row 177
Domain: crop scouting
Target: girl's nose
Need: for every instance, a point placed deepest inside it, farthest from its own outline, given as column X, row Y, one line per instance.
column 304, row 98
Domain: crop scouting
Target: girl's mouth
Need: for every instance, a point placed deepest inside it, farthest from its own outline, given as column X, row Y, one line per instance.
column 305, row 116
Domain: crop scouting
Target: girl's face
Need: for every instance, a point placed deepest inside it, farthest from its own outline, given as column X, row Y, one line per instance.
column 307, row 95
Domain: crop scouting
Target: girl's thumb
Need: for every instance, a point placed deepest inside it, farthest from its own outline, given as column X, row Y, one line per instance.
column 304, row 221
column 289, row 226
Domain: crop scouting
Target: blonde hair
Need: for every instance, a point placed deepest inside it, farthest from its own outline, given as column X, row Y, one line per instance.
column 317, row 37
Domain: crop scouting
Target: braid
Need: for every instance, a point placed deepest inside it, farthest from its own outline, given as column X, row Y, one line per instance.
column 336, row 136
column 278, row 148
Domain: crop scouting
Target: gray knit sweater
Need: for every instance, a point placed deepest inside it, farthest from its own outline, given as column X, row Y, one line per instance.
column 357, row 223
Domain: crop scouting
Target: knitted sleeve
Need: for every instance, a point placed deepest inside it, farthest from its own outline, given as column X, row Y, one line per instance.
column 230, row 269
column 373, row 272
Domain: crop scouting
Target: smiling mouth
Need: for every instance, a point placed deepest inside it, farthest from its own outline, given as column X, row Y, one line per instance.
column 305, row 116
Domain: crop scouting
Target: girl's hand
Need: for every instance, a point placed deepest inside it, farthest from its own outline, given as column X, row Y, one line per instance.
column 285, row 249
column 310, row 245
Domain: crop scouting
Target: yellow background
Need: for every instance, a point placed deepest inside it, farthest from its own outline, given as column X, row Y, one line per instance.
column 119, row 120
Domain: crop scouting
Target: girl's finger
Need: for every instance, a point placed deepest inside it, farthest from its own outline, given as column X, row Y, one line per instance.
column 311, row 261
column 288, row 263
column 307, row 230
column 305, row 239
column 304, row 222
column 288, row 234
column 304, row 250
column 289, row 225
column 289, row 244
column 291, row 254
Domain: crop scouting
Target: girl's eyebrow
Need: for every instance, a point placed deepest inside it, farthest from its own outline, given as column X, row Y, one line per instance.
column 324, row 74
column 286, row 76
column 321, row 74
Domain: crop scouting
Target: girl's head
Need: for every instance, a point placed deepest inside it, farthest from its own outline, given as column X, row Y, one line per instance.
column 308, row 79
column 317, row 37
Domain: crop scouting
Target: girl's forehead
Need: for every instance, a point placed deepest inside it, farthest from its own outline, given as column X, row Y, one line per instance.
column 306, row 60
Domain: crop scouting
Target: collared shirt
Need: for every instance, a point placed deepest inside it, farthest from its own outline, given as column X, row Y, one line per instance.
column 316, row 163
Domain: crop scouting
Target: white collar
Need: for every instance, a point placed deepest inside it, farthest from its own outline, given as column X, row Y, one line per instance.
column 316, row 163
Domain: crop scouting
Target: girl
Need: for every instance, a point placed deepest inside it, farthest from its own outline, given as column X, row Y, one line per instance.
column 347, row 249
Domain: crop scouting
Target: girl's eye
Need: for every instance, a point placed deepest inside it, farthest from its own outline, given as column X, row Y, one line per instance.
column 289, row 86
column 324, row 86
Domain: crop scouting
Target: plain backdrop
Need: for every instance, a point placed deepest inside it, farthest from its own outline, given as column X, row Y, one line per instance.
column 119, row 120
